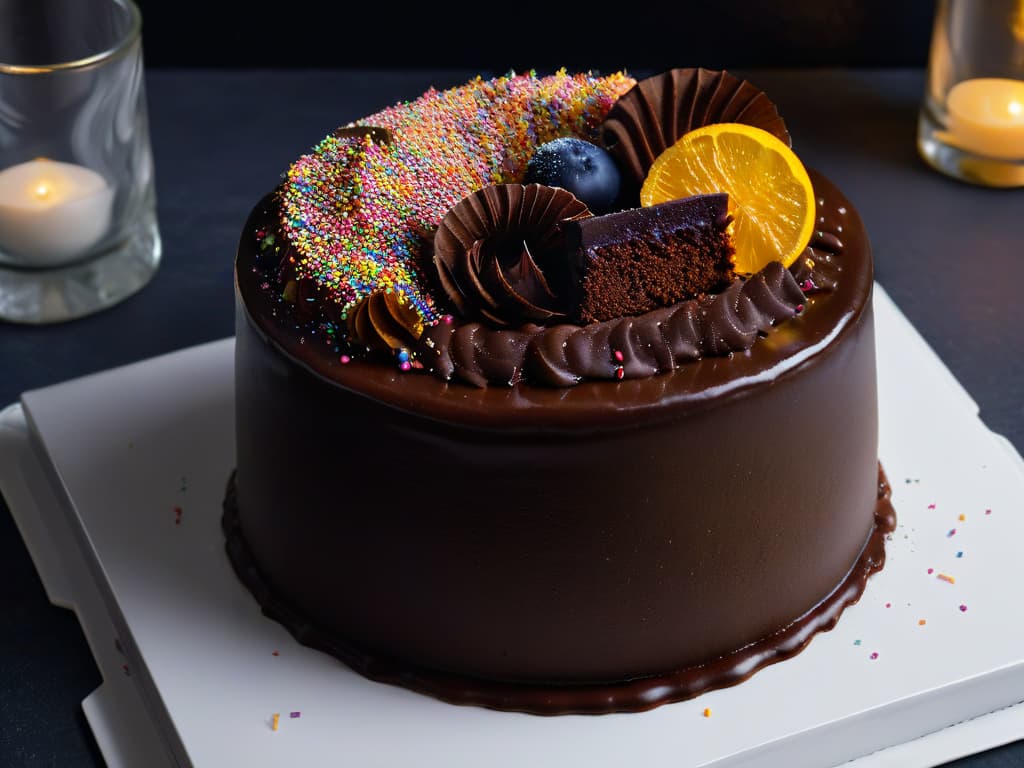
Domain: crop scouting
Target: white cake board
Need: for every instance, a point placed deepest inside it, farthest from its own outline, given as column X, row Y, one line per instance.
column 94, row 470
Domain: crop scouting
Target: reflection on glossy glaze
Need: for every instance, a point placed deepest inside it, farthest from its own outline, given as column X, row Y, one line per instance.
column 596, row 698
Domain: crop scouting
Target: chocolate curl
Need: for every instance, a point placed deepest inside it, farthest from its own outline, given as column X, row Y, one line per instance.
column 384, row 321
column 376, row 133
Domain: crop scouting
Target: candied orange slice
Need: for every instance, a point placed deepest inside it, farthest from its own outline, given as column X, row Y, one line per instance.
column 771, row 198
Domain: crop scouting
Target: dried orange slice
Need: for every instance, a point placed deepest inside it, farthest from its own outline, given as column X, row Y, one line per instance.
column 770, row 194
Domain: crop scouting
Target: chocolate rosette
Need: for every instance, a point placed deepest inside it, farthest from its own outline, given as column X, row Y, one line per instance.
column 498, row 254
column 657, row 111
column 383, row 321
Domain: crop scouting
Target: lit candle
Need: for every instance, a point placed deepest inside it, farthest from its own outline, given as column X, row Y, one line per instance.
column 51, row 212
column 986, row 116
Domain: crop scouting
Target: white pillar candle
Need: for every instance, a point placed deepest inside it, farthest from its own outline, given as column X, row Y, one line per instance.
column 986, row 116
column 51, row 212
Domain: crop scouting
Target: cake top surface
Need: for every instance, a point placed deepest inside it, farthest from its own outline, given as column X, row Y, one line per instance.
column 410, row 243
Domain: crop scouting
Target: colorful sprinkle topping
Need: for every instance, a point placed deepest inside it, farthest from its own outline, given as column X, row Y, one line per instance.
column 359, row 211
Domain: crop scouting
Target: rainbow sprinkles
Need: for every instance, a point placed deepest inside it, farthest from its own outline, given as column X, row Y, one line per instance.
column 360, row 209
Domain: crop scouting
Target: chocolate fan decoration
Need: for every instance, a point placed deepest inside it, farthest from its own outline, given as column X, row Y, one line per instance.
column 657, row 111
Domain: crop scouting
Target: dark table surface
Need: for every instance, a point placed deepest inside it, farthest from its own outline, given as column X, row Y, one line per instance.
column 948, row 253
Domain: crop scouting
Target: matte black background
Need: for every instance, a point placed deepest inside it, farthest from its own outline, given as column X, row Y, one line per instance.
column 542, row 34
column 949, row 254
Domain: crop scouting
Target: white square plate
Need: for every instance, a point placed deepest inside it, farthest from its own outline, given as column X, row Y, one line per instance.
column 116, row 481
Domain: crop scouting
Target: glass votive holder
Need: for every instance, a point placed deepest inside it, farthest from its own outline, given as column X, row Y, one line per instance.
column 78, row 228
column 971, row 124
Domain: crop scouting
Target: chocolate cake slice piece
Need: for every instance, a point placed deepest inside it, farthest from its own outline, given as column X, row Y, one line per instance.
column 631, row 262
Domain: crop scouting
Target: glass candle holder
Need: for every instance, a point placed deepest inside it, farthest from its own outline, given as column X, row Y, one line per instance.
column 78, row 229
column 971, row 124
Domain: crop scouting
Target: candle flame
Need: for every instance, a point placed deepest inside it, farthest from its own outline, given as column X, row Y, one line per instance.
column 1015, row 107
column 42, row 190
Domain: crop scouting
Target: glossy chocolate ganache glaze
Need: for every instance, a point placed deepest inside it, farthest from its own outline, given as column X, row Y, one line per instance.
column 509, row 529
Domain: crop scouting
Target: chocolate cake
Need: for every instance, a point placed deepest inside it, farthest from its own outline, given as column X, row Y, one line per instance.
column 452, row 484
column 635, row 261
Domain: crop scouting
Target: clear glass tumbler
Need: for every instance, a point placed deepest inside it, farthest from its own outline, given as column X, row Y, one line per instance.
column 971, row 124
column 78, row 229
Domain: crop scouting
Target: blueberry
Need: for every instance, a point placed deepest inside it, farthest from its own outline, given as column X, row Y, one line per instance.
column 580, row 167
